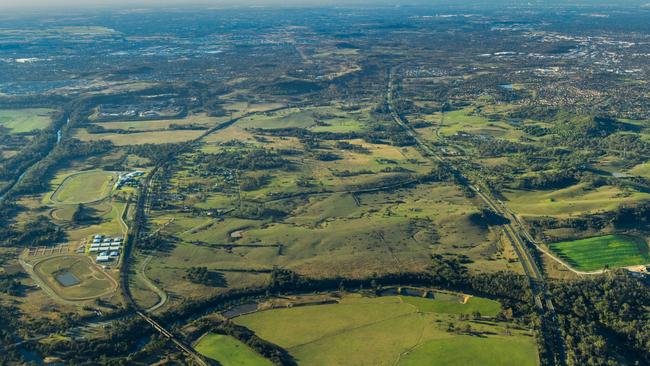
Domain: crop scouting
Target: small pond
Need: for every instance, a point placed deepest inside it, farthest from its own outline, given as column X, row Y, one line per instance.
column 67, row 279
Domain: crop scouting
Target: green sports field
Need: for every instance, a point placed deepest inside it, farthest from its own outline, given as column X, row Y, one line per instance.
column 596, row 253
column 392, row 330
column 229, row 351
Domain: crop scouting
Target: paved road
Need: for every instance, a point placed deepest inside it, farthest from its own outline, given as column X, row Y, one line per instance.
column 162, row 295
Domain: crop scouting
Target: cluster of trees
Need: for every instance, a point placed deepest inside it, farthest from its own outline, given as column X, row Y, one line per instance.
column 9, row 325
column 604, row 320
column 251, row 183
column 9, row 285
column 327, row 156
column 39, row 231
column 157, row 153
column 35, row 150
column 257, row 211
column 349, row 173
column 555, row 179
column 84, row 214
column 438, row 173
column 254, row 159
column 344, row 145
column 579, row 129
column 121, row 339
column 204, row 276
column 492, row 147
column 486, row 217
column 390, row 134
column 535, row 130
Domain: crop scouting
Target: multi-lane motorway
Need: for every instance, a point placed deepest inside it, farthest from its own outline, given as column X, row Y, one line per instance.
column 514, row 230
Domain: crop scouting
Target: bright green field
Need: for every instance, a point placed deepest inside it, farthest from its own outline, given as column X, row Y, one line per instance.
column 611, row 250
column 84, row 187
column 451, row 304
column 25, row 120
column 472, row 351
column 387, row 331
column 229, row 351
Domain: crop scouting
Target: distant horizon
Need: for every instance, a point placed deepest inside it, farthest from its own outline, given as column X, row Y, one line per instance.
column 36, row 5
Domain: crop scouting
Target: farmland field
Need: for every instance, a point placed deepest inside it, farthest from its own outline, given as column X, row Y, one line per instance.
column 154, row 137
column 573, row 200
column 84, row 187
column 198, row 120
column 472, row 351
column 25, row 120
column 386, row 331
column 228, row 351
column 598, row 252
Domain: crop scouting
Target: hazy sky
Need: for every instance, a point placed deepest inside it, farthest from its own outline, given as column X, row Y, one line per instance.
column 136, row 3
column 44, row 4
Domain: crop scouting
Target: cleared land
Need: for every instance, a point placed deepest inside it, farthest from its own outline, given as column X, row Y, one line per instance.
column 229, row 351
column 25, row 120
column 198, row 121
column 472, row 351
column 74, row 277
column 387, row 331
column 596, row 253
column 573, row 200
column 155, row 137
column 449, row 304
column 84, row 187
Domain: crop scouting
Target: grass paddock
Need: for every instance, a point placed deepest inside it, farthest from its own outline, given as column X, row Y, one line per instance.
column 229, row 351
column 387, row 331
column 25, row 120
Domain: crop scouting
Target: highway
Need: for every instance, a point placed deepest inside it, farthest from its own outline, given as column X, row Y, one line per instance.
column 514, row 230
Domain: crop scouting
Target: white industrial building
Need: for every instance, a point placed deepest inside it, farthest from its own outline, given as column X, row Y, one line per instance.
column 102, row 258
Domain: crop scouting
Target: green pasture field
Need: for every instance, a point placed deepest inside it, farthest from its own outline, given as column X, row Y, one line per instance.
column 229, row 351
column 200, row 120
column 169, row 269
column 330, row 235
column 472, row 351
column 573, row 200
column 331, row 119
column 83, row 187
column 642, row 170
column 472, row 120
column 385, row 331
column 93, row 283
column 155, row 137
column 604, row 251
column 448, row 303
column 25, row 120
column 294, row 117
